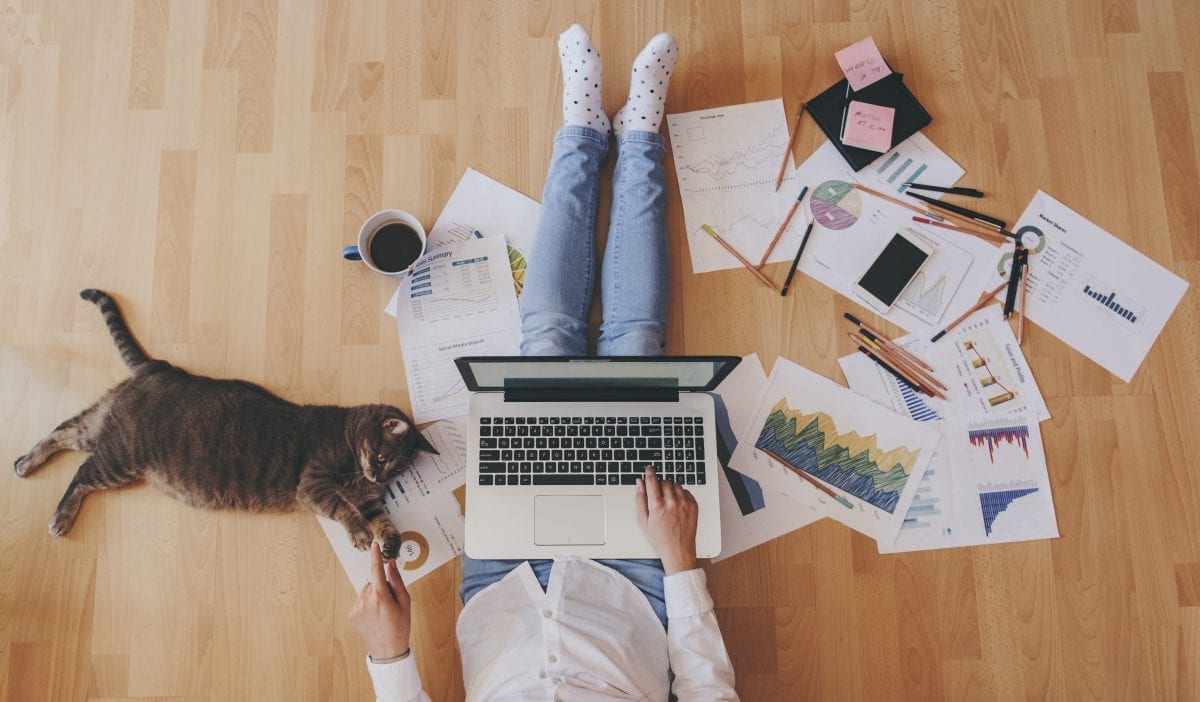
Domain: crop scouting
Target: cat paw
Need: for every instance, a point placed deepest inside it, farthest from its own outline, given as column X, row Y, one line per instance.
column 22, row 466
column 60, row 524
column 362, row 539
column 389, row 544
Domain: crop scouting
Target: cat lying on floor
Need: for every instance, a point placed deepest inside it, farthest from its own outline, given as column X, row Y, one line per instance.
column 231, row 444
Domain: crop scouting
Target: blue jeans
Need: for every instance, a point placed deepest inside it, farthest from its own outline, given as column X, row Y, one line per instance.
column 634, row 281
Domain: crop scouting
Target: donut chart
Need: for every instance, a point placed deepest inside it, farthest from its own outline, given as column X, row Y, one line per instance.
column 835, row 204
column 414, row 550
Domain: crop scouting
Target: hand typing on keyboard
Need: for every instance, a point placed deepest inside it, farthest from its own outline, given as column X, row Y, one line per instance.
column 667, row 513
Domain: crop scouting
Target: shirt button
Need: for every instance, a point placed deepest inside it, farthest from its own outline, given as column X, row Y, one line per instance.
column 553, row 658
column 547, row 613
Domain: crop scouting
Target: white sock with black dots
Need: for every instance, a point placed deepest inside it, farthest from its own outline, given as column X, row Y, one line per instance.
column 581, row 80
column 648, row 86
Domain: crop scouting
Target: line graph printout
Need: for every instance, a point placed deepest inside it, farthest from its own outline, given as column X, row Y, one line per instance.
column 871, row 457
column 423, row 504
column 458, row 301
column 726, row 161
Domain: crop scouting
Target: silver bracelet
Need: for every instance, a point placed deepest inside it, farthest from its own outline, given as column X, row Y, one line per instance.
column 393, row 659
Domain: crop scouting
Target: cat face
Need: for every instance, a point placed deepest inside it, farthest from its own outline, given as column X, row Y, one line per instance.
column 389, row 447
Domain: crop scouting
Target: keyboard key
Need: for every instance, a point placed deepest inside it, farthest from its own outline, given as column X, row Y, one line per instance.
column 487, row 443
column 485, row 420
column 691, row 479
column 652, row 431
column 491, row 467
column 650, row 455
column 489, row 455
column 485, row 480
column 563, row 479
column 526, row 479
column 602, row 479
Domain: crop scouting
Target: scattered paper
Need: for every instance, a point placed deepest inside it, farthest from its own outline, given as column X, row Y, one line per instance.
column 426, row 503
column 726, row 161
column 750, row 515
column 1099, row 295
column 862, row 63
column 458, row 301
column 872, row 458
column 869, row 126
column 979, row 362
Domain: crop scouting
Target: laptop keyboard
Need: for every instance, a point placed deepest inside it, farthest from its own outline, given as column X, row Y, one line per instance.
column 590, row 450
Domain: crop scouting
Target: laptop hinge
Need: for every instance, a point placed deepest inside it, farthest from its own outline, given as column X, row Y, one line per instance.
column 591, row 394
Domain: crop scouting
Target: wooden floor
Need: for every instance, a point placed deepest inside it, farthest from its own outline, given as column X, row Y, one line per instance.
column 206, row 161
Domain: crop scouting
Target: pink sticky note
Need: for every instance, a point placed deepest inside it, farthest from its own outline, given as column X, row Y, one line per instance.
column 862, row 63
column 868, row 126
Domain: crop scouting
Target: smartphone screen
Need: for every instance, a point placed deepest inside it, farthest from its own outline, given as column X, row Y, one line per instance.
column 891, row 272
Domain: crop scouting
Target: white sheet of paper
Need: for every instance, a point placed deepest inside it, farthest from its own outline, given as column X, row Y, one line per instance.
column 979, row 362
column 425, row 504
column 480, row 204
column 750, row 515
column 458, row 301
column 726, row 160
column 872, row 457
column 1098, row 294
column 989, row 485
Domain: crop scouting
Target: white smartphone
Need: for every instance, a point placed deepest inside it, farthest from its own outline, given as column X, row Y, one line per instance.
column 891, row 271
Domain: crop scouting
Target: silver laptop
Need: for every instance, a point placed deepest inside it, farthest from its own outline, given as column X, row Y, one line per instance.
column 557, row 443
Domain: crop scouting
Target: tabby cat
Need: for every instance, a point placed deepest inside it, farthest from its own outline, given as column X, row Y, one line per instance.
column 231, row 444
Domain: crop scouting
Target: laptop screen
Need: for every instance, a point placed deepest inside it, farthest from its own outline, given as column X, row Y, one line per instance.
column 685, row 373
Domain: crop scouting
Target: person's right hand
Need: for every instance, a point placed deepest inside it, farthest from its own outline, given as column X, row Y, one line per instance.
column 383, row 614
column 667, row 513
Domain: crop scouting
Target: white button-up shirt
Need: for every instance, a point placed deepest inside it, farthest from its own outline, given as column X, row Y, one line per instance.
column 592, row 635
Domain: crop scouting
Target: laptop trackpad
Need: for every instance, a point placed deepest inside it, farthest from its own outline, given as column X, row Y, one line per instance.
column 564, row 520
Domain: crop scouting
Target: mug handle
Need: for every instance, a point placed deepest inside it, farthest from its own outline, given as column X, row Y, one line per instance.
column 350, row 253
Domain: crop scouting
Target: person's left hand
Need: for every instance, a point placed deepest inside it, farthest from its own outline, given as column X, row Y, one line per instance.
column 383, row 614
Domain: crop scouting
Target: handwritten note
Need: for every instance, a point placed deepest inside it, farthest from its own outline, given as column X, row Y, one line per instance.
column 862, row 63
column 868, row 126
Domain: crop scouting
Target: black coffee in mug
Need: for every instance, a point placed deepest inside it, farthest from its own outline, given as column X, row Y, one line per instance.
column 395, row 247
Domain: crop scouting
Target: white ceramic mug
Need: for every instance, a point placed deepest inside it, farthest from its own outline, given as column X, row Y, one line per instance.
column 373, row 226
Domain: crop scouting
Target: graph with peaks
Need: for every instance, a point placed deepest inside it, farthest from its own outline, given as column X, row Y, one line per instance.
column 935, row 285
column 852, row 462
column 994, row 503
column 993, row 437
column 453, row 288
column 726, row 161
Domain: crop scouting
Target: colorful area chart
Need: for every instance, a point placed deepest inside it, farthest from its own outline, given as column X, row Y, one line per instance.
column 835, row 204
column 993, row 503
column 992, row 437
column 854, row 463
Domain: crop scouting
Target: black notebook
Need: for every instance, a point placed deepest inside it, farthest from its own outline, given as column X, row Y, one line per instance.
column 828, row 110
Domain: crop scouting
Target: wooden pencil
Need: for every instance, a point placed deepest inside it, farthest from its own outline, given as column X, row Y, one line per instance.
column 875, row 353
column 983, row 302
column 894, row 201
column 749, row 266
column 931, row 384
column 879, row 336
column 813, row 481
column 986, row 236
column 787, row 153
column 786, row 221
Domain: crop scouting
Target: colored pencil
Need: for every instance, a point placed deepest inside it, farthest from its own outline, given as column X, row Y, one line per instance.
column 967, row 192
column 787, row 153
column 749, row 266
column 986, row 236
column 894, row 201
column 979, row 217
column 813, row 481
column 902, row 364
column 796, row 261
column 892, row 365
column 786, row 220
column 866, row 328
column 983, row 302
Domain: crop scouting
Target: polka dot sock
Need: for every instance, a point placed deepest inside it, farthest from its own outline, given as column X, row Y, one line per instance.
column 581, row 80
column 648, row 86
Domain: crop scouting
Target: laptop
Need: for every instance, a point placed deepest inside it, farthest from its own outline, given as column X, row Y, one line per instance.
column 556, row 444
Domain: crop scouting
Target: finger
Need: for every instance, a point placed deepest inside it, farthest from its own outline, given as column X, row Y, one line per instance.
column 378, row 579
column 639, row 499
column 399, row 590
column 670, row 493
column 653, row 489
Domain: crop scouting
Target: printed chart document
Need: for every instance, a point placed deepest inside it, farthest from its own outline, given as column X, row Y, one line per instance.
column 871, row 457
column 457, row 301
column 979, row 362
column 1090, row 289
column 480, row 204
column 750, row 515
column 427, row 504
column 726, row 161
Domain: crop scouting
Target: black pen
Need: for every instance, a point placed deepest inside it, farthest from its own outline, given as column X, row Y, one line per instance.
column 968, row 192
column 969, row 214
column 796, row 261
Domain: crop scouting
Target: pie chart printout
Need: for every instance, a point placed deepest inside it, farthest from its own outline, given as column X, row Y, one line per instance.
column 836, row 204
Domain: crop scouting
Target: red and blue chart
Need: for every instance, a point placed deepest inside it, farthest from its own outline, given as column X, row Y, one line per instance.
column 993, row 437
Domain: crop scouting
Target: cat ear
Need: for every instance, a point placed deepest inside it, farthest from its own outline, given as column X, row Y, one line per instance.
column 424, row 445
column 395, row 426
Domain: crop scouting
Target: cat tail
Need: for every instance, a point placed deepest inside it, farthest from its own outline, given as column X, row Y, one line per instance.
column 131, row 352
